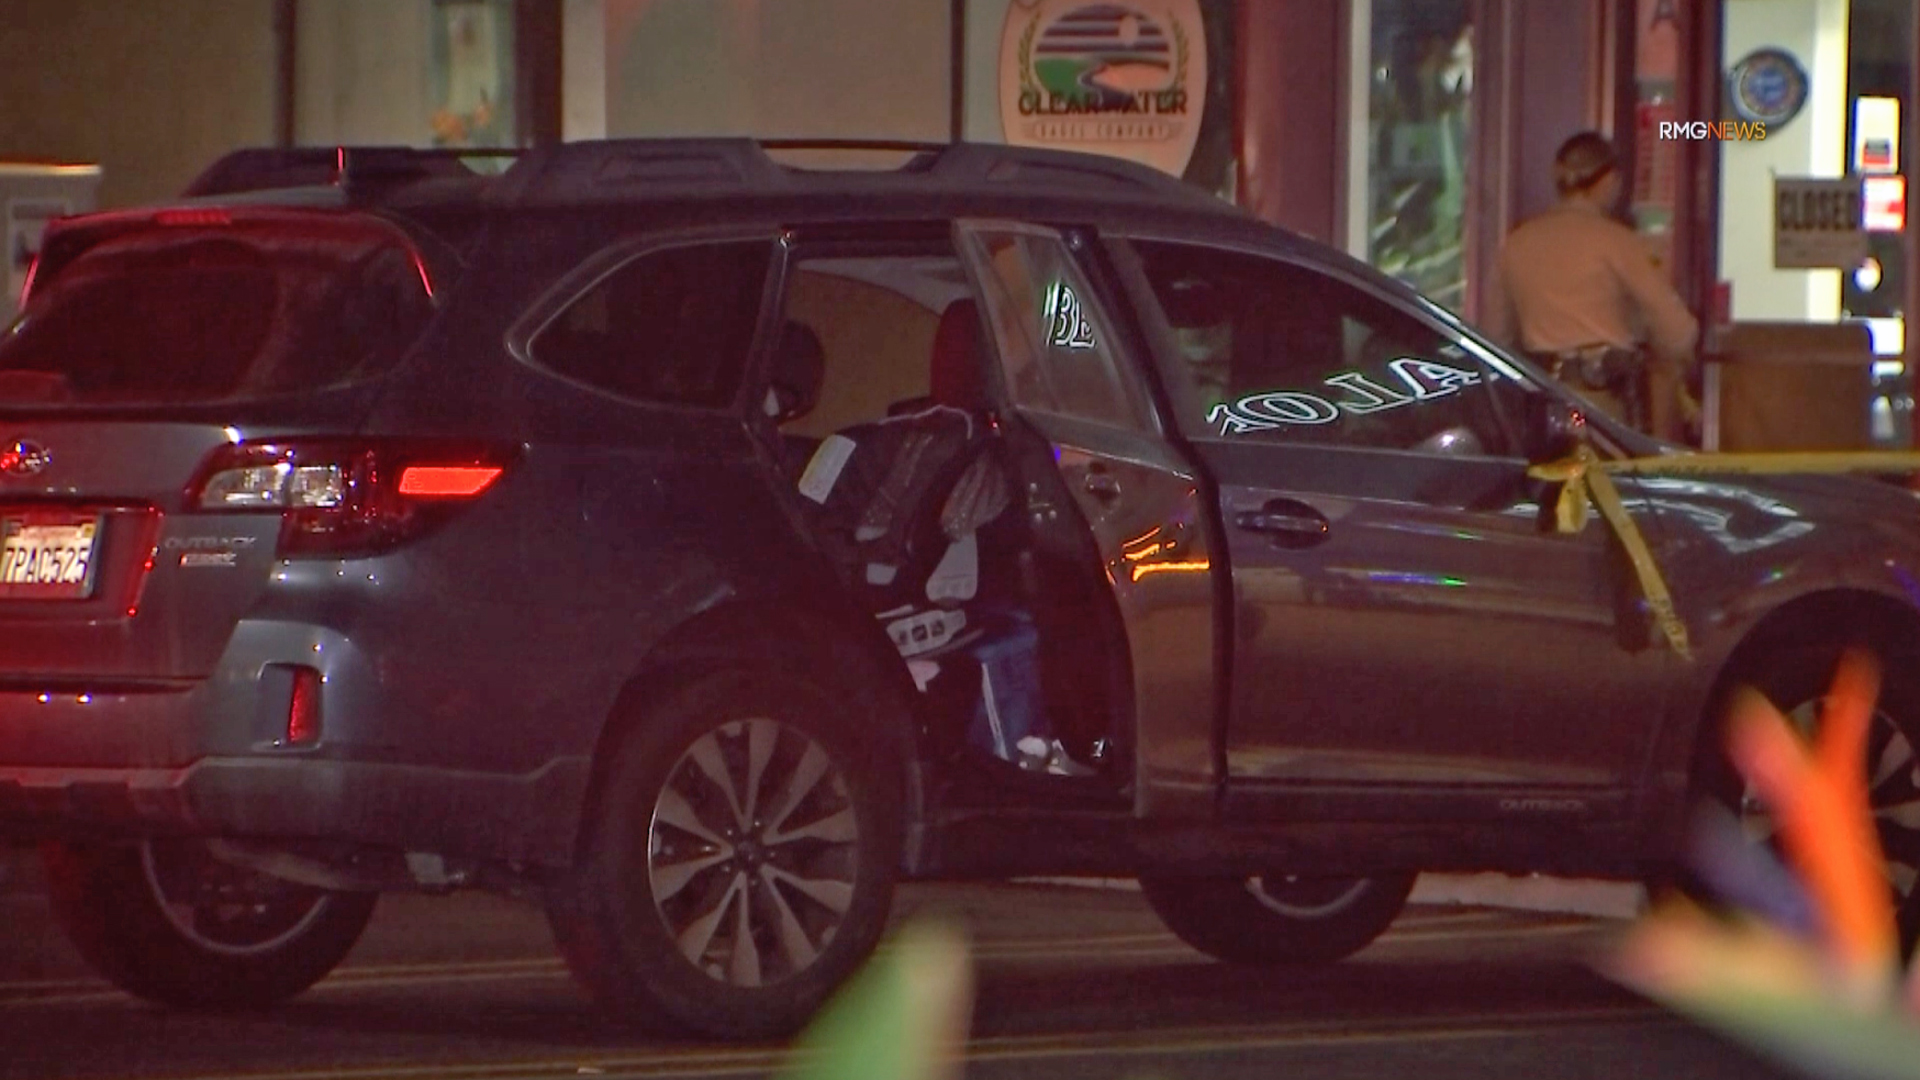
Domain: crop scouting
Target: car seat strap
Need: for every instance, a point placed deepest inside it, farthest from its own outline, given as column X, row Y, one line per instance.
column 957, row 577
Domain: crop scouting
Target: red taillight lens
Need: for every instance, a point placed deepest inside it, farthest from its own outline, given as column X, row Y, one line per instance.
column 340, row 499
column 303, row 711
column 201, row 218
column 447, row 481
column 26, row 288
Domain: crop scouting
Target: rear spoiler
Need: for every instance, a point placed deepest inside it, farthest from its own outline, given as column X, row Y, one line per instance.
column 266, row 179
column 66, row 239
column 356, row 173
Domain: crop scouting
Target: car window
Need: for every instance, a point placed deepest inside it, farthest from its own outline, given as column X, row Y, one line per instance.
column 1057, row 347
column 187, row 316
column 673, row 326
column 876, row 332
column 1272, row 350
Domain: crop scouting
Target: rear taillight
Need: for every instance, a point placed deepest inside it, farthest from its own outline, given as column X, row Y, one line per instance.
column 26, row 288
column 447, row 481
column 346, row 498
column 303, row 709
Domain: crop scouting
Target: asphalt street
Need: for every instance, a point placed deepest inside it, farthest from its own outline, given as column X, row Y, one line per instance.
column 1071, row 983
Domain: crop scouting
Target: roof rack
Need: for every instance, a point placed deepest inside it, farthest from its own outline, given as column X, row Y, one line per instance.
column 625, row 168
column 348, row 167
column 852, row 144
column 995, row 163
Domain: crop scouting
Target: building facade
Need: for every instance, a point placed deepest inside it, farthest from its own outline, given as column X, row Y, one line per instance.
column 1412, row 133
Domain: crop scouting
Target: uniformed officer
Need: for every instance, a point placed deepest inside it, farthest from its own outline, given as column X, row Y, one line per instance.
column 1580, row 293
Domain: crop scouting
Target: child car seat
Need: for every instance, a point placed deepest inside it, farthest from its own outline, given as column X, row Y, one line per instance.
column 902, row 503
column 901, row 499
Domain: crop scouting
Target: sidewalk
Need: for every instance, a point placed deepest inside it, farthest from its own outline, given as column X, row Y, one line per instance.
column 1568, row 896
column 20, row 872
column 1572, row 896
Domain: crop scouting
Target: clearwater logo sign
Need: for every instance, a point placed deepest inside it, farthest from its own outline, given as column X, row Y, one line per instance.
column 1128, row 80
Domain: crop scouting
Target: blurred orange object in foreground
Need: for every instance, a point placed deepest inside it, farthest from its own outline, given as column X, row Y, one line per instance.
column 1818, row 795
column 1831, row 1005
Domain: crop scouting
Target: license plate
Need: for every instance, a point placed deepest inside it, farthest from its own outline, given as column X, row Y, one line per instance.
column 48, row 557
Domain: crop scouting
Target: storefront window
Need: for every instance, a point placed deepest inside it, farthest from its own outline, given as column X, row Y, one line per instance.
column 833, row 69
column 1879, row 67
column 1879, row 72
column 1419, row 99
column 1656, row 160
column 472, row 66
column 1213, row 165
column 1829, row 78
column 405, row 73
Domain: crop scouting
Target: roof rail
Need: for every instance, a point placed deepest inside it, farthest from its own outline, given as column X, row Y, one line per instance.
column 997, row 163
column 924, row 153
column 623, row 168
column 273, row 168
column 853, row 144
column 626, row 168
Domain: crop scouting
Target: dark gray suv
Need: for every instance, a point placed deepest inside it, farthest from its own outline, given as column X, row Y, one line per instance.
column 699, row 544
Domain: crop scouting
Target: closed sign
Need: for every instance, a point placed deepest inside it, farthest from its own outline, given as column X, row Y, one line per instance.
column 1818, row 223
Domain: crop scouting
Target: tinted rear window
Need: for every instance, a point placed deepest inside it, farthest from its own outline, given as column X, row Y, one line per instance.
column 671, row 327
column 194, row 317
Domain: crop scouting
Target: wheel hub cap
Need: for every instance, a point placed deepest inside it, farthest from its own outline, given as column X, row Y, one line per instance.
column 1893, row 797
column 752, row 851
column 223, row 908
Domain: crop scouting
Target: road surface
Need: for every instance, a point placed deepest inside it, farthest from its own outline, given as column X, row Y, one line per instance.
column 1079, row 983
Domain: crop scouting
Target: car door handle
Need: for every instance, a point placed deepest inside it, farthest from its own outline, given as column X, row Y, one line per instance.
column 1290, row 524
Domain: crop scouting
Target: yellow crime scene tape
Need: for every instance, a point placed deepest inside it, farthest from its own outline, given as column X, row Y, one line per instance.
column 1586, row 484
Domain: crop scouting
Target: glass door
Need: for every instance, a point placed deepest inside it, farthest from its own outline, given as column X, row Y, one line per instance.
column 1829, row 82
column 1408, row 195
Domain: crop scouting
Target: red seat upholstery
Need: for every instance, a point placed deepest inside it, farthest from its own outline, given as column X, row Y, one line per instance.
column 958, row 365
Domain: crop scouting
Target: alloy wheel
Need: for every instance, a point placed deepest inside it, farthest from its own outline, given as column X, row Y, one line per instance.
column 226, row 909
column 1893, row 796
column 752, row 850
column 1305, row 897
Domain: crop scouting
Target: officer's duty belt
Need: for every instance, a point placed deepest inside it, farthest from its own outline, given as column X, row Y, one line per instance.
column 1603, row 367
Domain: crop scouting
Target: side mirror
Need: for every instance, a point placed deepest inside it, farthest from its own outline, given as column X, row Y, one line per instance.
column 1555, row 428
column 1556, row 431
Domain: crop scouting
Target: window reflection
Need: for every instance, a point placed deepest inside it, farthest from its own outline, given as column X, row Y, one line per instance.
column 1419, row 103
column 1737, row 519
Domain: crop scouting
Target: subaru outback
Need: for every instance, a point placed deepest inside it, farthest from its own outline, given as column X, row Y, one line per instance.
column 699, row 545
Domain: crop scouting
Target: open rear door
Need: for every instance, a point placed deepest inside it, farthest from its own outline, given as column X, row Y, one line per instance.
column 1073, row 379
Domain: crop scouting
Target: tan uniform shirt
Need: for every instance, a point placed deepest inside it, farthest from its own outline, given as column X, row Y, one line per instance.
column 1573, row 276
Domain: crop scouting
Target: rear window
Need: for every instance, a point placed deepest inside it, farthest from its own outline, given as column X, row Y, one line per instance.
column 671, row 327
column 199, row 316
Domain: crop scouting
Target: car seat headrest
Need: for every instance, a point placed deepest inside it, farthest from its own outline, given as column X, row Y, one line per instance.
column 958, row 366
column 799, row 367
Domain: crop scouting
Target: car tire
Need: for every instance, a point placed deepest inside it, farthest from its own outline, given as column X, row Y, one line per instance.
column 1271, row 920
column 168, row 922
column 731, row 908
column 1794, row 678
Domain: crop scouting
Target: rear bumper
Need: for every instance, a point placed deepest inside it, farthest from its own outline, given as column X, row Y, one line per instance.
column 528, row 819
column 209, row 757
